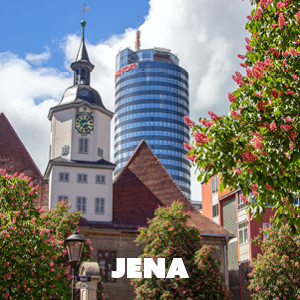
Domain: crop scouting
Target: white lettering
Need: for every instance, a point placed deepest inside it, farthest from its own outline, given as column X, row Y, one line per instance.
column 177, row 268
column 158, row 269
column 133, row 268
column 120, row 268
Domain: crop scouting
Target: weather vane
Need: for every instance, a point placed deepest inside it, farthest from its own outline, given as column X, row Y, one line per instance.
column 84, row 9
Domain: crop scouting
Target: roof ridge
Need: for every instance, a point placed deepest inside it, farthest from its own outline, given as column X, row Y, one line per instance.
column 139, row 146
column 2, row 115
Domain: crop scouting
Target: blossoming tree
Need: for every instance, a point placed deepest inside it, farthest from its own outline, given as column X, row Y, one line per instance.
column 275, row 274
column 33, row 256
column 256, row 146
column 169, row 236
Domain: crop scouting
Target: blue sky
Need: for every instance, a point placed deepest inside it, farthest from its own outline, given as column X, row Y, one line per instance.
column 40, row 39
column 31, row 26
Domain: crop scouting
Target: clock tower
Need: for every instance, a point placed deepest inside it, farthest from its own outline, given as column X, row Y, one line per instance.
column 79, row 169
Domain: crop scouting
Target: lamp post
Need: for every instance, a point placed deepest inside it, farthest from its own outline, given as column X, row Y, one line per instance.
column 74, row 244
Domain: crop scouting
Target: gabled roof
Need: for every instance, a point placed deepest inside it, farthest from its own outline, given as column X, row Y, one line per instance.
column 143, row 185
column 14, row 156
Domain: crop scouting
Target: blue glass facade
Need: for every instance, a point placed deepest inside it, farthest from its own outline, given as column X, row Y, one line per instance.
column 152, row 97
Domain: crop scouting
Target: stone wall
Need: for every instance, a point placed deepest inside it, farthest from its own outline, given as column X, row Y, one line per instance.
column 122, row 242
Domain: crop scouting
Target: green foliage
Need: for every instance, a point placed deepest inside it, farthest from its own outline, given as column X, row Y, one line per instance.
column 275, row 273
column 170, row 236
column 256, row 146
column 33, row 255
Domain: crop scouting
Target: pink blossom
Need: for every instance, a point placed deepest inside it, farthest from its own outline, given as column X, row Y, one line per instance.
column 244, row 199
column 235, row 114
column 273, row 126
column 193, row 157
column 206, row 123
column 188, row 121
column 51, row 270
column 249, row 17
column 258, row 14
column 213, row 116
column 248, row 156
column 281, row 21
column 51, row 264
column 238, row 171
column 241, row 56
column 295, row 77
column 188, row 146
column 200, row 138
column 231, row 98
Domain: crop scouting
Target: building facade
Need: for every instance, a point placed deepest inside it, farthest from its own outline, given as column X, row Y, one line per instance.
column 151, row 98
column 227, row 209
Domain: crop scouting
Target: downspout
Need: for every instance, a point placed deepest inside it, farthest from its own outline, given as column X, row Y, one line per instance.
column 225, row 260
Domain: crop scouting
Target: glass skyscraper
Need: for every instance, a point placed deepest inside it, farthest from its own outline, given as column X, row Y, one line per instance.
column 152, row 98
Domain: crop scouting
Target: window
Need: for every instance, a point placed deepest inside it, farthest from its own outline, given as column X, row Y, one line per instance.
column 99, row 205
column 63, row 176
column 65, row 149
column 107, row 262
column 62, row 197
column 215, row 210
column 100, row 179
column 81, row 204
column 243, row 233
column 244, row 271
column 214, row 185
column 82, row 178
column 241, row 203
column 83, row 145
column 100, row 152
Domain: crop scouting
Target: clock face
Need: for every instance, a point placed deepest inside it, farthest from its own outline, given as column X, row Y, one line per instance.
column 84, row 123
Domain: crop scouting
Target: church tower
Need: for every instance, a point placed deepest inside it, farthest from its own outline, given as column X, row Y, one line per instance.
column 79, row 169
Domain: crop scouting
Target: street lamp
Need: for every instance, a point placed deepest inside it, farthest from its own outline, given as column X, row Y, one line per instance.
column 74, row 244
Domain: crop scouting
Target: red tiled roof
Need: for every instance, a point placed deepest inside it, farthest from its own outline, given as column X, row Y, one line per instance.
column 14, row 156
column 143, row 185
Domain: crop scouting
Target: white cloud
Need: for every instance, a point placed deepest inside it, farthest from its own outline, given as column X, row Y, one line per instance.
column 38, row 59
column 206, row 35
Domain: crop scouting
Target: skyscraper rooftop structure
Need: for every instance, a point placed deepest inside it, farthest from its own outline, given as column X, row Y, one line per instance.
column 151, row 98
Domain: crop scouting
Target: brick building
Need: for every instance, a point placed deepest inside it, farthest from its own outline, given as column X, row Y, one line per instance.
column 227, row 209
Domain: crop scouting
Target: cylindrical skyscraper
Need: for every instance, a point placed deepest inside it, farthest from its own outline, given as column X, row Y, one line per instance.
column 151, row 99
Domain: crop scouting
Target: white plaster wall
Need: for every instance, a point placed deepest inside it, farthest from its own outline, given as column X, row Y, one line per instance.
column 215, row 200
column 99, row 137
column 244, row 252
column 242, row 215
column 62, row 123
column 90, row 190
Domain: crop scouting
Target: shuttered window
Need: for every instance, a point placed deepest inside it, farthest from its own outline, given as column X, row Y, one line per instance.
column 81, row 204
column 83, row 145
column 82, row 178
column 99, row 205
column 100, row 179
column 63, row 176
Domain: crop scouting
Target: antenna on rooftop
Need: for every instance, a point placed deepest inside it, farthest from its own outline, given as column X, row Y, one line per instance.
column 138, row 34
column 84, row 9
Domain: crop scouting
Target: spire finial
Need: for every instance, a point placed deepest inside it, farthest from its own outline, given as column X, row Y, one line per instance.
column 84, row 9
column 83, row 22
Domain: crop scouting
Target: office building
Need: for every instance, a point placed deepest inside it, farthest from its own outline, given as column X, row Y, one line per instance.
column 151, row 97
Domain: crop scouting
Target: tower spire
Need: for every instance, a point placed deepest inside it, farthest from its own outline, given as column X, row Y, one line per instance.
column 138, row 35
column 82, row 66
